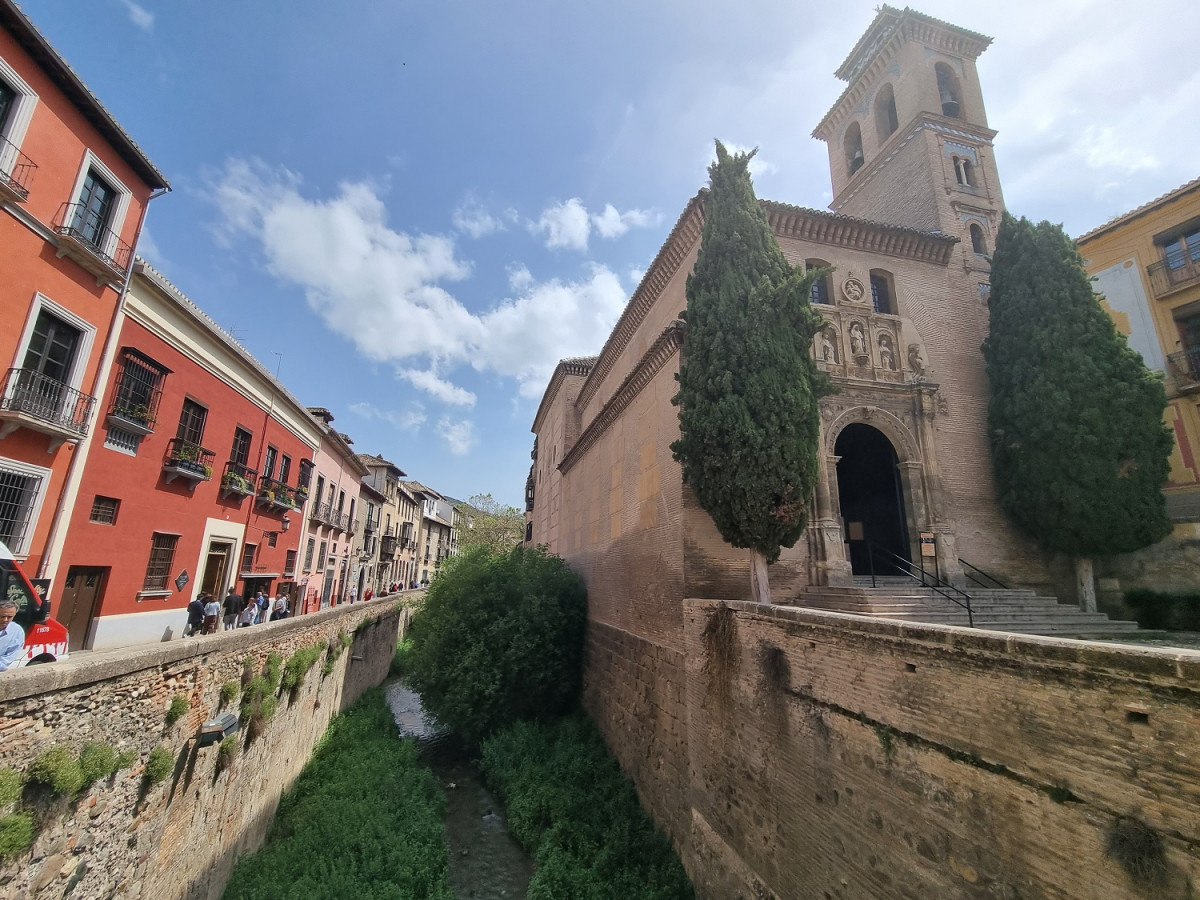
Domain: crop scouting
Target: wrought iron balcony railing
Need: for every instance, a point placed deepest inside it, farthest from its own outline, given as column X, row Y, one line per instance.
column 87, row 238
column 238, row 480
column 44, row 404
column 387, row 545
column 16, row 172
column 277, row 494
column 1164, row 278
column 185, row 459
column 1184, row 367
column 138, row 417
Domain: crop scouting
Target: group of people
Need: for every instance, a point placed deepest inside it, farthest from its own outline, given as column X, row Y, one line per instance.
column 204, row 612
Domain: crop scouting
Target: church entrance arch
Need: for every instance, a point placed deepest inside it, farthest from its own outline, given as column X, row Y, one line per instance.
column 871, row 494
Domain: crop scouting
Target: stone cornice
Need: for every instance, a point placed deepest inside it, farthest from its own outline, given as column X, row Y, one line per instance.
column 666, row 263
column 822, row 227
column 664, row 348
column 579, row 365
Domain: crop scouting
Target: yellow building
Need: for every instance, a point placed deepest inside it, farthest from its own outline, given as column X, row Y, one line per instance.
column 1146, row 265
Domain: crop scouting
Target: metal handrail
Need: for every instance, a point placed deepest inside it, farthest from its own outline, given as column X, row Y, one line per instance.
column 36, row 395
column 927, row 579
column 16, row 169
column 996, row 582
column 89, row 228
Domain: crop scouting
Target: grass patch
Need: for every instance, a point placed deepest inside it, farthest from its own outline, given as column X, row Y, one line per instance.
column 402, row 659
column 577, row 815
column 16, row 835
column 258, row 705
column 125, row 759
column 337, row 646
column 97, row 761
column 178, row 709
column 230, row 691
column 11, row 782
column 159, row 765
column 298, row 666
column 363, row 820
column 273, row 670
column 59, row 769
column 227, row 752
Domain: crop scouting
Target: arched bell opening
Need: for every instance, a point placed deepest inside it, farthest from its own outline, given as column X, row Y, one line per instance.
column 871, row 495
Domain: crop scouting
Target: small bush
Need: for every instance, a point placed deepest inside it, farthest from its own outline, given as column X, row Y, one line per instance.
column 273, row 670
column 337, row 646
column 1165, row 612
column 499, row 639
column 16, row 835
column 298, row 665
column 159, row 764
column 258, row 705
column 60, row 770
column 577, row 815
column 178, row 709
column 227, row 752
column 230, row 691
column 11, row 782
column 97, row 761
column 402, row 659
column 125, row 759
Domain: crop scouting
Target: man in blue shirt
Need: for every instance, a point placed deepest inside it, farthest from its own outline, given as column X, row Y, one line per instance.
column 12, row 636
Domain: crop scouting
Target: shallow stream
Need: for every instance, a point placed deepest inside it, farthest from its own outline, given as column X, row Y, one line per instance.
column 486, row 863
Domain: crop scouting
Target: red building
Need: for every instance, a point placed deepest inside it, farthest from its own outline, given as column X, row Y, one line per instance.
column 195, row 482
column 73, row 194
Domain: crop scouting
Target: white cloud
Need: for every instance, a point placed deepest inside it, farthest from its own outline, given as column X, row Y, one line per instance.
column 472, row 218
column 139, row 15
column 443, row 390
column 383, row 289
column 636, row 275
column 569, row 224
column 566, row 225
column 759, row 165
column 409, row 419
column 459, row 436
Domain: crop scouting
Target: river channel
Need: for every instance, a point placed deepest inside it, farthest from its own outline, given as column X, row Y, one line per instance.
column 486, row 863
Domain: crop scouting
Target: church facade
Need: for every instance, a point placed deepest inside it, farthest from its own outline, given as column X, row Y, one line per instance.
column 906, row 473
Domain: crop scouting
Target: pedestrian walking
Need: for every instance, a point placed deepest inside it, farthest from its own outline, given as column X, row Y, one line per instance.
column 212, row 613
column 195, row 615
column 234, row 604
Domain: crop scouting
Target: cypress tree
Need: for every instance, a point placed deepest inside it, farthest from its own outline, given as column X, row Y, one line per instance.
column 748, row 385
column 1075, row 419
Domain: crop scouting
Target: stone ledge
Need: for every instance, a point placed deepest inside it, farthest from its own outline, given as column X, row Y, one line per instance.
column 92, row 666
column 1125, row 659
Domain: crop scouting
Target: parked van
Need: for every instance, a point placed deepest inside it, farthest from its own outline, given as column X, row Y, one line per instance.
column 45, row 637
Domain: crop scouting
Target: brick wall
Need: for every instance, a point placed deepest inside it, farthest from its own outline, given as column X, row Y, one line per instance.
column 847, row 759
column 181, row 837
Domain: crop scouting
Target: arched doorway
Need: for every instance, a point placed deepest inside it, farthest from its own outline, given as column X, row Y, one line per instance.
column 872, row 499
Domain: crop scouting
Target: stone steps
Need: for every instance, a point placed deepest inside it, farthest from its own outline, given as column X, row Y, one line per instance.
column 996, row 609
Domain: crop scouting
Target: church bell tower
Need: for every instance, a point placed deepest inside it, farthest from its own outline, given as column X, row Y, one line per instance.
column 908, row 139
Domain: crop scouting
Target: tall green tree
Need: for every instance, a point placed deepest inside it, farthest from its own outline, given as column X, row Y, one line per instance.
column 748, row 384
column 488, row 523
column 1075, row 418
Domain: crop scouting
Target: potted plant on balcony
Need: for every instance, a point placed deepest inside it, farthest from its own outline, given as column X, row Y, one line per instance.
column 234, row 482
column 138, row 413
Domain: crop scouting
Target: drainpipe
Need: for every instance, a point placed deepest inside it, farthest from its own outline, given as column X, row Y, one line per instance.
column 48, row 567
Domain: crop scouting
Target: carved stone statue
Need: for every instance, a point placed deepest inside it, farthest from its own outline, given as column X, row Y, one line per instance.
column 828, row 347
column 915, row 362
column 858, row 339
column 853, row 290
column 887, row 356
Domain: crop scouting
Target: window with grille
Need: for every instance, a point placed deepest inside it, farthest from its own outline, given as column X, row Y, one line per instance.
column 881, row 292
column 272, row 538
column 289, row 563
column 248, row 557
column 240, row 453
column 191, row 422
column 321, row 557
column 18, row 493
column 162, row 555
column 138, row 388
column 104, row 510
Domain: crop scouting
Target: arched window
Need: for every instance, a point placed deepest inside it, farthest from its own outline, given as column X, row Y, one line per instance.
column 854, row 148
column 948, row 91
column 977, row 240
column 820, row 290
column 968, row 171
column 886, row 122
column 882, row 292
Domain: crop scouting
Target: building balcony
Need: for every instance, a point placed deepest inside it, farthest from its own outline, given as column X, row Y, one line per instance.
column 238, row 480
column 84, row 237
column 1164, row 278
column 387, row 546
column 32, row 400
column 277, row 495
column 189, row 461
column 1184, row 368
column 16, row 173
column 133, row 416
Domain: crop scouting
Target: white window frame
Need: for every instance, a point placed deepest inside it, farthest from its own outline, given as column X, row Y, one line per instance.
column 87, row 335
column 35, row 507
column 22, row 112
column 120, row 207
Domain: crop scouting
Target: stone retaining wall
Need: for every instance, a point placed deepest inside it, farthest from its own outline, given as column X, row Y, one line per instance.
column 180, row 838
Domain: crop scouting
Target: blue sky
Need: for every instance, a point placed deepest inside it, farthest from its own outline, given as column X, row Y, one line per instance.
column 414, row 209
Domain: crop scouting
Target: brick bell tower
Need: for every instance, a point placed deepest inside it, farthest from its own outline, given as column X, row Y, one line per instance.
column 908, row 139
